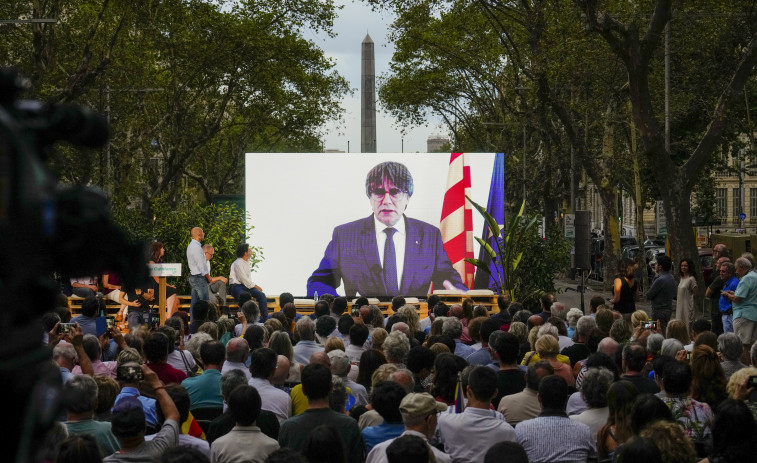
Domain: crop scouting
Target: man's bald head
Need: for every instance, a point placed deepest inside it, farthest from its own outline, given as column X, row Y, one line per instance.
column 321, row 358
column 401, row 326
column 282, row 370
column 608, row 346
column 197, row 234
column 404, row 378
column 456, row 310
column 237, row 350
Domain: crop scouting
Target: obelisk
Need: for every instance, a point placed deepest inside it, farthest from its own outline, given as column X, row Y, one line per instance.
column 368, row 99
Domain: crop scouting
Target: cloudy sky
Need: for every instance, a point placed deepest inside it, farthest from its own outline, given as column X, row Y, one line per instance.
column 354, row 21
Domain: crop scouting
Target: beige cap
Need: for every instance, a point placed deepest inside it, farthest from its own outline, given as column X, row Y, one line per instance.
column 419, row 404
column 340, row 362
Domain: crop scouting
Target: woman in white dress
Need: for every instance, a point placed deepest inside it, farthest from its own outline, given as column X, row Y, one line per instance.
column 687, row 291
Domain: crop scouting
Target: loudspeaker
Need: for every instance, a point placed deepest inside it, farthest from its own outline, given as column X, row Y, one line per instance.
column 583, row 240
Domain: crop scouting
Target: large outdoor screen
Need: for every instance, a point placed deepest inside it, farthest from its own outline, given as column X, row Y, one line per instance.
column 316, row 225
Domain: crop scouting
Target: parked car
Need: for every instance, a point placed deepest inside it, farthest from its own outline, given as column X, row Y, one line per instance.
column 597, row 251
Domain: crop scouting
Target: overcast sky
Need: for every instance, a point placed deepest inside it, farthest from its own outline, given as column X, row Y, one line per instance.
column 353, row 22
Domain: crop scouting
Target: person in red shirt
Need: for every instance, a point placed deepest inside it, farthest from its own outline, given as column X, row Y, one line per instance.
column 156, row 351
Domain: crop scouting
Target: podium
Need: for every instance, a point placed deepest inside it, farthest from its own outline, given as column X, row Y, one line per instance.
column 162, row 271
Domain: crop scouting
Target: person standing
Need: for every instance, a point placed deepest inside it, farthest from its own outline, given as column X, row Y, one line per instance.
column 199, row 279
column 687, row 291
column 625, row 287
column 744, row 306
column 713, row 294
column 241, row 282
column 730, row 283
column 662, row 292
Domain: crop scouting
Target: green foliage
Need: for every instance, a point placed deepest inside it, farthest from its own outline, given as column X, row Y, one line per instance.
column 224, row 225
column 525, row 264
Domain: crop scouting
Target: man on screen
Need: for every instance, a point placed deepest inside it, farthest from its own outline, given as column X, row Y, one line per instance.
column 387, row 253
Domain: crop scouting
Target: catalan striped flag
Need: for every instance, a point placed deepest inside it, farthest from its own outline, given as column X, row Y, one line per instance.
column 457, row 218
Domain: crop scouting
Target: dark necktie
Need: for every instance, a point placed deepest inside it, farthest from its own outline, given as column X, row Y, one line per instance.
column 390, row 263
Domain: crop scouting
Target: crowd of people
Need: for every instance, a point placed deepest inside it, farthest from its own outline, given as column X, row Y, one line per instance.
column 349, row 384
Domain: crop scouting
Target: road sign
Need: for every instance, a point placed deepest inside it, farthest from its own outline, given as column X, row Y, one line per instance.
column 570, row 225
column 742, row 216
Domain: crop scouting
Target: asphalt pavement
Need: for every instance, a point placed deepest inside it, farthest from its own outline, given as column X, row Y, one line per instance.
column 569, row 293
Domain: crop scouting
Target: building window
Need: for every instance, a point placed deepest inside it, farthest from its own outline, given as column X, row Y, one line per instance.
column 721, row 197
column 736, row 202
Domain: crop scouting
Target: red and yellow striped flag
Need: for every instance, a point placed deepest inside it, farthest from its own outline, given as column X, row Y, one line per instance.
column 457, row 218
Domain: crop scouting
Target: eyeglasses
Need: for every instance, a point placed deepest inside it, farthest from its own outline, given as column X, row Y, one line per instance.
column 379, row 193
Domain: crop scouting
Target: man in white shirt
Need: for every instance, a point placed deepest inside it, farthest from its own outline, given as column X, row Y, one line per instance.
column 199, row 279
column 467, row 436
column 217, row 285
column 263, row 364
column 241, row 282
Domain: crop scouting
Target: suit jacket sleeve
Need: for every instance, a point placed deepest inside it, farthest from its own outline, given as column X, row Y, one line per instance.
column 327, row 277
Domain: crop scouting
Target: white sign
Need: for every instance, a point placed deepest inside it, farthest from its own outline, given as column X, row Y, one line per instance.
column 165, row 270
column 570, row 225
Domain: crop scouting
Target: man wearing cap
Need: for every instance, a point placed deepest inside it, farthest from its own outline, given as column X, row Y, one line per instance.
column 316, row 384
column 128, row 425
column 419, row 414
column 467, row 436
column 386, row 253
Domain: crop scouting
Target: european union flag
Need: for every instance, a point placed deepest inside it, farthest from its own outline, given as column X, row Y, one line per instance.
column 496, row 208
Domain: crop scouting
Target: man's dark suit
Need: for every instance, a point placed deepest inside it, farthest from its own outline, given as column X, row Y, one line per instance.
column 352, row 257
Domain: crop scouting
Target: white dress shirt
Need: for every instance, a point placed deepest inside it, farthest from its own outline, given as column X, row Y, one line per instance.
column 399, row 244
column 273, row 399
column 467, row 436
column 198, row 264
column 236, row 366
column 378, row 452
column 239, row 274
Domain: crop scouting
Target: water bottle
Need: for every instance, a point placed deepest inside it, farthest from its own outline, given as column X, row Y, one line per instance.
column 315, row 297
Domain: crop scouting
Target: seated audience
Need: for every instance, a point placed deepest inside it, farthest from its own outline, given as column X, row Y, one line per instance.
column 81, row 392
column 385, row 399
column 695, row 417
column 205, row 389
column 180, row 398
column 525, row 405
column 263, row 363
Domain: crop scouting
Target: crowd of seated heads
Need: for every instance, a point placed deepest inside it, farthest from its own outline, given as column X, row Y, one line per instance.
column 394, row 358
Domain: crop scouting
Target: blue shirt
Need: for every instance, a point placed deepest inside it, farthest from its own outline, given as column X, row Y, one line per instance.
column 747, row 290
column 463, row 350
column 87, row 324
column 373, row 435
column 480, row 357
column 148, row 404
column 205, row 389
column 729, row 285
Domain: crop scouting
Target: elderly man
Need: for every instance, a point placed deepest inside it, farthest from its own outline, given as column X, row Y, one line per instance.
column 237, row 351
column 729, row 351
column 725, row 306
column 386, row 253
column 552, row 436
column 217, row 285
column 467, row 436
column 199, row 279
column 453, row 328
column 340, row 366
column 419, row 414
column 80, row 410
column 713, row 295
column 306, row 346
column 580, row 350
column 744, row 305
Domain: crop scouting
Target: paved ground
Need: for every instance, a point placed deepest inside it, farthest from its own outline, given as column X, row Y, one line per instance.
column 568, row 293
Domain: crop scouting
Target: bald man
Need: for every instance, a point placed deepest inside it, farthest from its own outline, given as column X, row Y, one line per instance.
column 299, row 399
column 199, row 278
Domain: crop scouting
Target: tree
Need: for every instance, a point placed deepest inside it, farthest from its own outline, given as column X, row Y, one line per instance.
column 188, row 87
column 675, row 178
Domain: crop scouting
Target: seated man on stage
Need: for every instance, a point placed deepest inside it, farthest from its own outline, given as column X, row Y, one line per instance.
column 386, row 253
column 241, row 282
column 217, row 284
